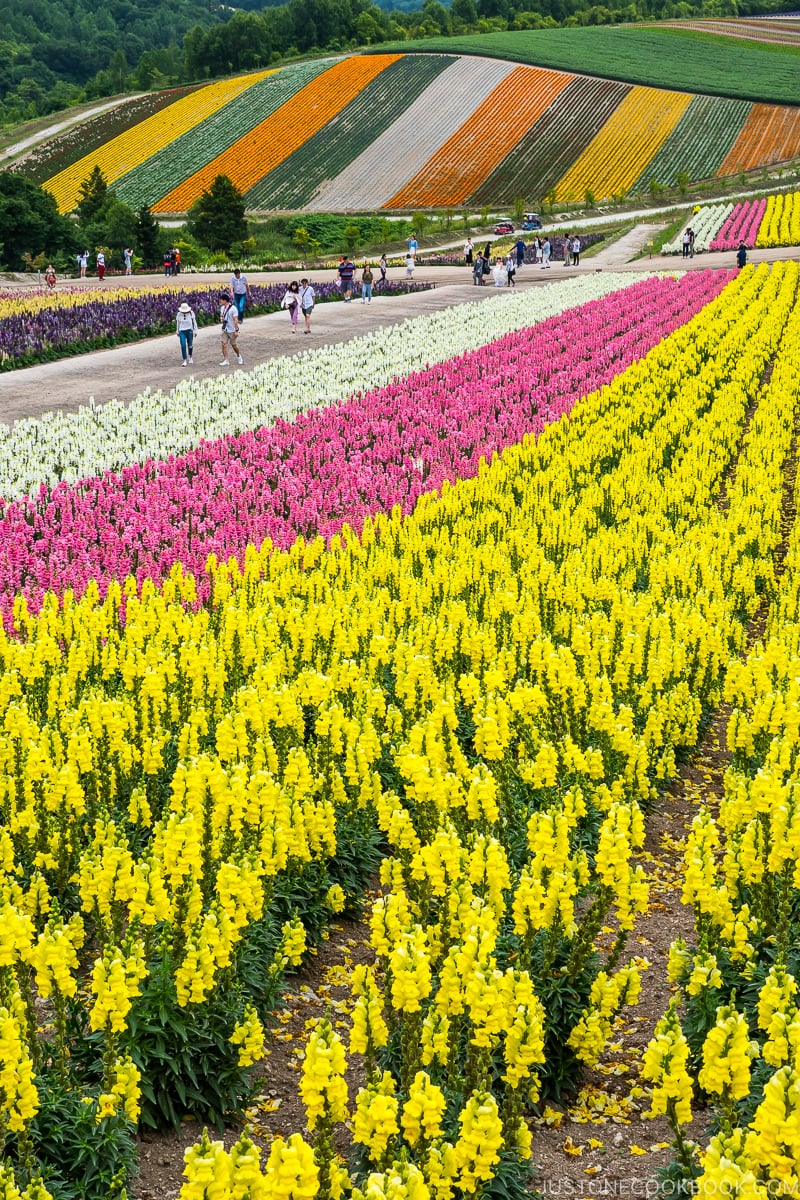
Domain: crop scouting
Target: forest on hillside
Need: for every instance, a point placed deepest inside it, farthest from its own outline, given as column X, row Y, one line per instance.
column 54, row 53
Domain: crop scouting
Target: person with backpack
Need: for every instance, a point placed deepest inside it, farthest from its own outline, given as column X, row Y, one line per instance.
column 230, row 330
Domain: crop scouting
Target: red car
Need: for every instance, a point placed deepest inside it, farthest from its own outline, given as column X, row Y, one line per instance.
column 504, row 227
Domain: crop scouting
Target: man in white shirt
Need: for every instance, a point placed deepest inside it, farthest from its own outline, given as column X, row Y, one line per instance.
column 240, row 290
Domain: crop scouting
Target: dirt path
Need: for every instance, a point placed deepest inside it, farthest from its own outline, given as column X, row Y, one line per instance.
column 621, row 252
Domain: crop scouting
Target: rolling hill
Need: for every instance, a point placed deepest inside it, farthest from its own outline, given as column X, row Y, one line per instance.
column 401, row 131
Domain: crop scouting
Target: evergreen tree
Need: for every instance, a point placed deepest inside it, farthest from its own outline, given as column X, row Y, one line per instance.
column 216, row 219
column 92, row 194
column 148, row 231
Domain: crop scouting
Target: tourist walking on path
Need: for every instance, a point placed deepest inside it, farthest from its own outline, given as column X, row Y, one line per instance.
column 127, row 258
column 537, row 250
column 347, row 269
column 546, row 248
column 366, row 284
column 383, row 266
column 511, row 269
column 691, row 242
column 519, row 247
column 741, row 256
column 50, row 276
column 230, row 329
column 412, row 246
column 186, row 328
column 576, row 251
column 83, row 262
column 291, row 301
column 685, row 243
column 477, row 271
column 567, row 250
column 410, row 264
column 468, row 248
column 240, row 290
column 101, row 264
column 167, row 263
column 306, row 302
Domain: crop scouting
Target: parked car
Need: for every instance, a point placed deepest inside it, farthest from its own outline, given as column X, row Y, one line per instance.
column 504, row 227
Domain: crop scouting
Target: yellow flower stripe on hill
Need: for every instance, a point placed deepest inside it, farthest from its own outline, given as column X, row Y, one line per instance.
column 146, row 139
column 279, row 135
column 616, row 157
column 459, row 166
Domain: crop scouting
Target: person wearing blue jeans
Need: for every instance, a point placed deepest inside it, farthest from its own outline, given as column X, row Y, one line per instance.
column 186, row 328
column 240, row 290
column 366, row 284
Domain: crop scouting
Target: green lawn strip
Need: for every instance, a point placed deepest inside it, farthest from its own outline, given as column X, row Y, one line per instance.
column 665, row 58
column 553, row 142
column 699, row 142
column 665, row 235
column 199, row 146
column 294, row 181
column 48, row 158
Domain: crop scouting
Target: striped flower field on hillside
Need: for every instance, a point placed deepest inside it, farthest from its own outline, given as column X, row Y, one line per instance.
column 467, row 704
column 419, row 130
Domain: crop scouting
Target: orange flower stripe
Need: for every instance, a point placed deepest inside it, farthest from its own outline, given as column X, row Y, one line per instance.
column 617, row 155
column 770, row 134
column 250, row 158
column 497, row 124
column 127, row 150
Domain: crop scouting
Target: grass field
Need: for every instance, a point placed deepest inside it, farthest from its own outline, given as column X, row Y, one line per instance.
column 671, row 58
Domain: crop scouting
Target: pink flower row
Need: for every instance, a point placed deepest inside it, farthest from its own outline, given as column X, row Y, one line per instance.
column 741, row 226
column 332, row 465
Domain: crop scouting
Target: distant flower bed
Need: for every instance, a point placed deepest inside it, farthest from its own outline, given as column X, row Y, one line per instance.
column 43, row 326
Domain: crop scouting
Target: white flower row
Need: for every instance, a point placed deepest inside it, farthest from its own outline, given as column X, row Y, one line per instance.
column 706, row 225
column 72, row 446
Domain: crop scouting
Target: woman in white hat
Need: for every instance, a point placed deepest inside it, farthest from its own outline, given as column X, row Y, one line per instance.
column 186, row 326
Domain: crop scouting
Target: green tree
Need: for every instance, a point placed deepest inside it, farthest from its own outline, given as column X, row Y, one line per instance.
column 352, row 237
column 29, row 221
column 301, row 239
column 589, row 199
column 464, row 10
column 92, row 192
column 147, row 236
column 217, row 218
column 518, row 208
